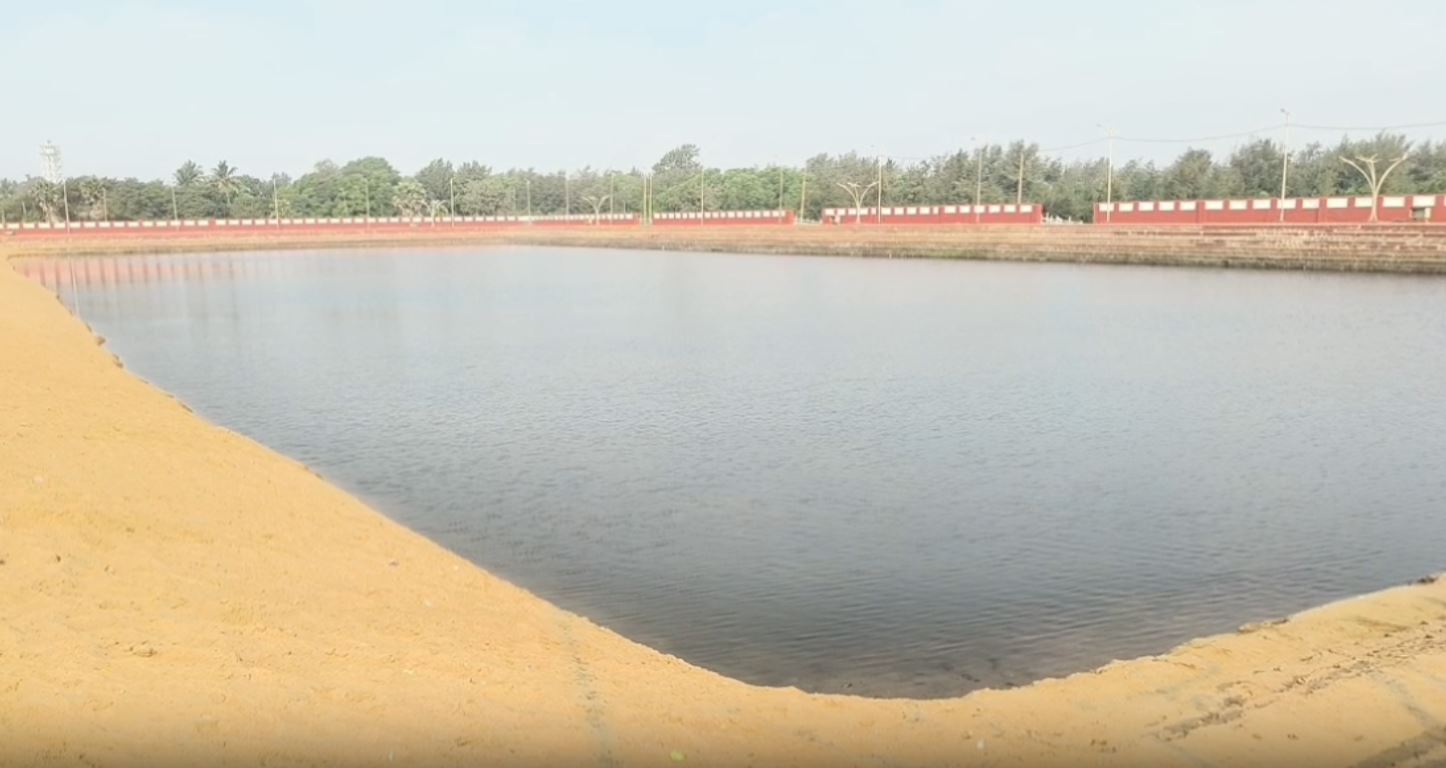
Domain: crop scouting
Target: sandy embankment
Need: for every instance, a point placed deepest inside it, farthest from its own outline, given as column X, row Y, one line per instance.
column 177, row 594
column 1381, row 248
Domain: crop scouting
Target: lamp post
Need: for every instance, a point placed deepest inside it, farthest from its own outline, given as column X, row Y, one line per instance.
column 879, row 208
column 1284, row 164
column 1109, row 174
column 1367, row 168
column 857, row 191
column 978, row 176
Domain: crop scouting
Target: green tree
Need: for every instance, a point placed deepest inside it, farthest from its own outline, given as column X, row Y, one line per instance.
column 226, row 186
column 435, row 178
column 410, row 198
column 1257, row 168
column 189, row 173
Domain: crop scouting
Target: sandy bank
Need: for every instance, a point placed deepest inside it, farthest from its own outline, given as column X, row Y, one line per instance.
column 1380, row 248
column 177, row 594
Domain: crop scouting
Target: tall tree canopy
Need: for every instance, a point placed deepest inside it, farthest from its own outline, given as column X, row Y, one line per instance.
column 681, row 181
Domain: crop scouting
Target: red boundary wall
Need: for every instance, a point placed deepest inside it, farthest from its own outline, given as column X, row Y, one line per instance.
column 1398, row 209
column 393, row 225
column 924, row 215
column 725, row 219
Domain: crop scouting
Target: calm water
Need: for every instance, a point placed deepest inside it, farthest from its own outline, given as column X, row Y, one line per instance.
column 868, row 476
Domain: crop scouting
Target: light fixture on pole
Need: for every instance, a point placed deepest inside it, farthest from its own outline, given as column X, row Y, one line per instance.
column 1109, row 174
column 1284, row 163
column 978, row 176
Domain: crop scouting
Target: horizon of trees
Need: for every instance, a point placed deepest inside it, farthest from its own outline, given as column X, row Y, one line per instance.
column 1068, row 189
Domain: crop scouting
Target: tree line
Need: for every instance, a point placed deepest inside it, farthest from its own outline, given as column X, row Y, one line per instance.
column 680, row 182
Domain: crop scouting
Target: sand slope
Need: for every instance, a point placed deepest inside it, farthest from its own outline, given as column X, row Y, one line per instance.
column 177, row 594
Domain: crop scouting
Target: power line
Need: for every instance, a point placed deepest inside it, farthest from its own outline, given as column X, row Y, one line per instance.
column 1403, row 127
column 1204, row 139
column 1080, row 145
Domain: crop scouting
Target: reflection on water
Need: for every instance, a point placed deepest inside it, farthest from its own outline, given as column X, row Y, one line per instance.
column 877, row 477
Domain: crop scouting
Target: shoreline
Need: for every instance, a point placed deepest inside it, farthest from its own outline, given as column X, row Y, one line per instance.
column 187, row 595
column 1373, row 248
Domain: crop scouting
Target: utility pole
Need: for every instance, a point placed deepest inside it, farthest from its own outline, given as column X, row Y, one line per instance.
column 1284, row 164
column 452, row 199
column 879, row 209
column 702, row 189
column 978, row 176
column 275, row 201
column 65, row 198
column 1019, row 193
column 1367, row 168
column 803, row 197
column 1109, row 175
column 612, row 194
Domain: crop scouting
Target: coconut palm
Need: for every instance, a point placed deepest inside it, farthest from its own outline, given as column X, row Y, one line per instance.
column 226, row 183
column 189, row 173
column 410, row 198
column 92, row 192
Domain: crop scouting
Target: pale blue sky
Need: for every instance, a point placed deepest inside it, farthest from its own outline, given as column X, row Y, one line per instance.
column 135, row 88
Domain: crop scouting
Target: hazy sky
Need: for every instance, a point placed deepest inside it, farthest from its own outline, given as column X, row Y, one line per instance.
column 135, row 88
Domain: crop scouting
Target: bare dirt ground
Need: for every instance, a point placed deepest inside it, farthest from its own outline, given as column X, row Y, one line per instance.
column 1381, row 248
column 176, row 594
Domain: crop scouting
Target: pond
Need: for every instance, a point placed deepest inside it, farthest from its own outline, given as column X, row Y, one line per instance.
column 879, row 477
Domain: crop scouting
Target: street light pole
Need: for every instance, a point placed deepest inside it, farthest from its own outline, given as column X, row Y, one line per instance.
column 1284, row 164
column 1110, row 176
column 1019, row 192
column 858, row 192
column 978, row 176
column 803, row 194
column 879, row 209
column 1367, row 168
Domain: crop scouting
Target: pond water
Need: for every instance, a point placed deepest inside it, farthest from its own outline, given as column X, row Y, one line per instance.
column 888, row 478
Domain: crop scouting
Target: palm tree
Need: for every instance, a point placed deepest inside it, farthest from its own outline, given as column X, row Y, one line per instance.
column 189, row 173
column 225, row 182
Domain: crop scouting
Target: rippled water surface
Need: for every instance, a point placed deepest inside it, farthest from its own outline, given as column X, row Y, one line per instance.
column 869, row 476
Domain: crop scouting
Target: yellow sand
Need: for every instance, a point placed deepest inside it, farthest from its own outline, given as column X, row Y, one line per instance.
column 176, row 594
